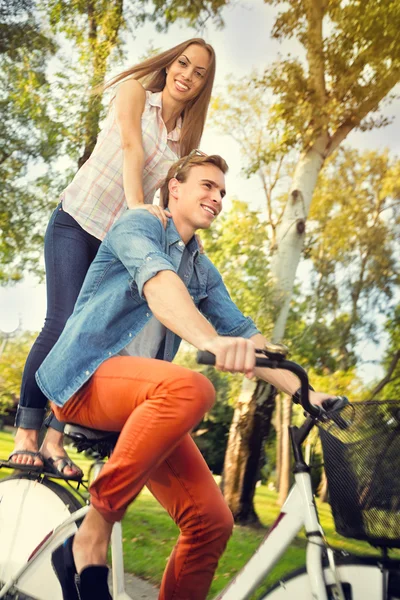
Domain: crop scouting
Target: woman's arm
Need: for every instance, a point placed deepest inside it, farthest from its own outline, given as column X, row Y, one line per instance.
column 129, row 105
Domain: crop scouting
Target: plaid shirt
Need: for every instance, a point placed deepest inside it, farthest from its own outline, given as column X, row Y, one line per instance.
column 95, row 197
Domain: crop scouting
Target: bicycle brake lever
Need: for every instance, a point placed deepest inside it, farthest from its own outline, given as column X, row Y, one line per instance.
column 332, row 408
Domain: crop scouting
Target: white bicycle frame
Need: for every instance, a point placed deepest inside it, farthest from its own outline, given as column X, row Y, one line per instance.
column 56, row 537
column 298, row 511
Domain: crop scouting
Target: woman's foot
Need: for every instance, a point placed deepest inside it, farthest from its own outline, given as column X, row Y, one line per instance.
column 56, row 459
column 26, row 448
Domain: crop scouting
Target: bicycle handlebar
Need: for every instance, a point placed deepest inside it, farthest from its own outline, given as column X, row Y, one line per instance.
column 275, row 359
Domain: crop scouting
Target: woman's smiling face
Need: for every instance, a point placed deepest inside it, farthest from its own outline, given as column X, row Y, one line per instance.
column 187, row 74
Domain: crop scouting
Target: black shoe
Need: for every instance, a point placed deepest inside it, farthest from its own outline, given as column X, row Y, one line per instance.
column 93, row 583
column 64, row 567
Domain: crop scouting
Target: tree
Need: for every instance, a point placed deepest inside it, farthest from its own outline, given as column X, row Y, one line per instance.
column 388, row 388
column 340, row 86
column 318, row 100
column 28, row 135
column 11, row 367
column 39, row 122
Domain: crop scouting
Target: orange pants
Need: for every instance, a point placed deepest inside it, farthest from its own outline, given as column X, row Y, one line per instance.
column 155, row 404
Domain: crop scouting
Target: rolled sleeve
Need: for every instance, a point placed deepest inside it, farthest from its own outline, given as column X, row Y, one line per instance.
column 221, row 311
column 153, row 263
column 138, row 240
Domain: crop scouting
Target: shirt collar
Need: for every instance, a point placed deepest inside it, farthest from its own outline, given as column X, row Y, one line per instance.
column 173, row 237
column 155, row 99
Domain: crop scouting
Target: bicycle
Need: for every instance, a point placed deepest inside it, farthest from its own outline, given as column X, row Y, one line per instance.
column 328, row 575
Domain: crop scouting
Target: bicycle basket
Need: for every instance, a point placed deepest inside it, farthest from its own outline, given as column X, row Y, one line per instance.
column 362, row 465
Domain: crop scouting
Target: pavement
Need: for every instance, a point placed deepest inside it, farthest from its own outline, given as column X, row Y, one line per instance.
column 138, row 589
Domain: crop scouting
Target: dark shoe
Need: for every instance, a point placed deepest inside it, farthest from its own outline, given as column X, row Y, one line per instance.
column 93, row 583
column 56, row 465
column 63, row 563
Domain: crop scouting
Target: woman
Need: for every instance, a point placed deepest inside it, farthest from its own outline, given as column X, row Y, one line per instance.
column 157, row 114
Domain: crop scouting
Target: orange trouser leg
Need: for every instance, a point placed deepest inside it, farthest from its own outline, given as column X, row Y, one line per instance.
column 154, row 404
column 184, row 485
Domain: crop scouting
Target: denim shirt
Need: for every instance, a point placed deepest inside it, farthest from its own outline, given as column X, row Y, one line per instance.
column 111, row 309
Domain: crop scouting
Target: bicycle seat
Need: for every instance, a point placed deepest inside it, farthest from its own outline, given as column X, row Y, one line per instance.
column 85, row 438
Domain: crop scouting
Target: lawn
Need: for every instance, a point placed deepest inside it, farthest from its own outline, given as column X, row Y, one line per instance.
column 149, row 535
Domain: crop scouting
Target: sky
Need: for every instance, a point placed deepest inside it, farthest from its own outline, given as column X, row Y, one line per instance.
column 242, row 45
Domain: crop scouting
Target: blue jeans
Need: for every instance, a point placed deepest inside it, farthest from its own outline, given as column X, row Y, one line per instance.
column 68, row 251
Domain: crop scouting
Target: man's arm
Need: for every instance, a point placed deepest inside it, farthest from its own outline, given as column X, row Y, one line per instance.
column 164, row 292
column 281, row 378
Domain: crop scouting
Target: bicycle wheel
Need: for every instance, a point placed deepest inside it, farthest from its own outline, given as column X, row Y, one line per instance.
column 29, row 511
column 361, row 579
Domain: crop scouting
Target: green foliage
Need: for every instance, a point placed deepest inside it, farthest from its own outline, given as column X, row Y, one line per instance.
column 29, row 136
column 236, row 245
column 353, row 245
column 12, row 365
column 196, row 14
column 391, row 389
column 353, row 61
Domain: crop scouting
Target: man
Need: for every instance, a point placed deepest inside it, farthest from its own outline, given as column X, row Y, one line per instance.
column 133, row 295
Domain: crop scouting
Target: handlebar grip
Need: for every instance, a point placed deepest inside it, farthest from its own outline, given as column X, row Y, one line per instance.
column 333, row 406
column 208, row 358
column 205, row 358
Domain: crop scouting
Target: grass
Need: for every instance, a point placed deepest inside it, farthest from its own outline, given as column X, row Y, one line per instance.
column 149, row 535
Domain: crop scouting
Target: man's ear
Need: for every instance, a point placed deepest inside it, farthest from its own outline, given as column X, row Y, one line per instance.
column 173, row 187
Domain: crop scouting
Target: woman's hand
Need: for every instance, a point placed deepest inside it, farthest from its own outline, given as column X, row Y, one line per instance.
column 155, row 210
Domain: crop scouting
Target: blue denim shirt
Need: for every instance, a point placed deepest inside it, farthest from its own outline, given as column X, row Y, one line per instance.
column 111, row 309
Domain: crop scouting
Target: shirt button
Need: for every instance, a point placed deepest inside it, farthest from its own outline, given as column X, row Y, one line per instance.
column 147, row 314
column 148, row 258
column 87, row 372
column 181, row 244
column 130, row 335
column 109, row 354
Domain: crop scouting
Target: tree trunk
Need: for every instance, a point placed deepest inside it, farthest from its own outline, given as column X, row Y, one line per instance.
column 290, row 238
column 323, row 488
column 101, row 43
column 249, row 429
column 291, row 230
column 278, row 427
column 284, row 483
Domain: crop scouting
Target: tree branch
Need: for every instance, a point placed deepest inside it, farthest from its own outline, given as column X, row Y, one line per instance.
column 315, row 51
column 371, row 103
column 393, row 364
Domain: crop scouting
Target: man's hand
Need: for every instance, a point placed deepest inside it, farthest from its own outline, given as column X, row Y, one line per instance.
column 233, row 354
column 318, row 397
column 155, row 210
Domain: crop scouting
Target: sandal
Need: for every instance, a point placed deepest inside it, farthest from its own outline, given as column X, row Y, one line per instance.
column 56, row 465
column 23, row 467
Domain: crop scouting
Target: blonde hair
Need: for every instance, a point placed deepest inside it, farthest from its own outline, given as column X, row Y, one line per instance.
column 152, row 74
column 180, row 170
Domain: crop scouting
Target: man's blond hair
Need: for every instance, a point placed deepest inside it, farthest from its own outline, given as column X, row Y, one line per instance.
column 180, row 170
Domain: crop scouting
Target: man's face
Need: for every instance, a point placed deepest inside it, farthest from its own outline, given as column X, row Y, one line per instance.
column 199, row 198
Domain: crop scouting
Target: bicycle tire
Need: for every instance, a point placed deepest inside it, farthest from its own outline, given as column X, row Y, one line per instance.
column 361, row 579
column 29, row 510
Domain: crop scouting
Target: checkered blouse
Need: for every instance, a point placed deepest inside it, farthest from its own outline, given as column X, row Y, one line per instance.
column 95, row 197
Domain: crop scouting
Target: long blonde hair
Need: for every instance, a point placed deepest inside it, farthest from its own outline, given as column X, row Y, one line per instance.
column 152, row 74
